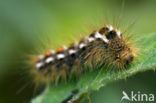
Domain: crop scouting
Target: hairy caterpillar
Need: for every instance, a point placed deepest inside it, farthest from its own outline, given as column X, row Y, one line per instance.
column 107, row 46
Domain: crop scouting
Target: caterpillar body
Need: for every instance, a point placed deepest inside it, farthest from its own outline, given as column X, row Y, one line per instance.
column 107, row 46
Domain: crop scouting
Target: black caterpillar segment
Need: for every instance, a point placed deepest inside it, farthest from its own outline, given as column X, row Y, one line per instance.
column 106, row 45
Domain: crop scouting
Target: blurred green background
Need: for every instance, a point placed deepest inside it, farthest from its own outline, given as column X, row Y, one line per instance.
column 24, row 22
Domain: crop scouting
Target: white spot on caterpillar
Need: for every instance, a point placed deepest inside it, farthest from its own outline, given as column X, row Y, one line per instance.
column 118, row 33
column 71, row 51
column 82, row 45
column 103, row 37
column 111, row 28
column 38, row 65
column 98, row 35
column 60, row 56
column 50, row 59
column 90, row 39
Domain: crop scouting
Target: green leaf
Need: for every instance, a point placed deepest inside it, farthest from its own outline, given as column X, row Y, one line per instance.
column 94, row 80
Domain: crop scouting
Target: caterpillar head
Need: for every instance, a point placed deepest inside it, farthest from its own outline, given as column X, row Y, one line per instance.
column 127, row 57
column 117, row 50
column 122, row 52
